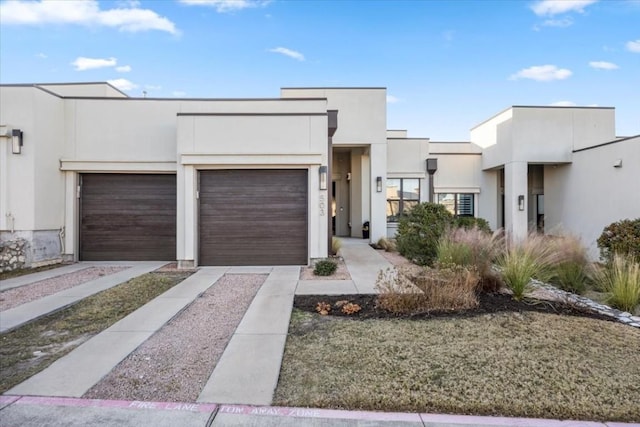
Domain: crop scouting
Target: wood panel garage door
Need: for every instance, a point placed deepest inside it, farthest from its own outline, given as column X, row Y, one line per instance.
column 128, row 217
column 253, row 217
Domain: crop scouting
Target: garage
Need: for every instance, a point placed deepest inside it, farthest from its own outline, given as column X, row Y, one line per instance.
column 128, row 217
column 253, row 217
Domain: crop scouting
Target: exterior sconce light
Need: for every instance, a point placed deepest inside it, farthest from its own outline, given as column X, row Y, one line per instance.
column 379, row 184
column 617, row 163
column 16, row 141
column 521, row 203
column 323, row 177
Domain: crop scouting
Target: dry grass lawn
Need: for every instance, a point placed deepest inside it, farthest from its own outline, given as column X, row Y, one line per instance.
column 510, row 364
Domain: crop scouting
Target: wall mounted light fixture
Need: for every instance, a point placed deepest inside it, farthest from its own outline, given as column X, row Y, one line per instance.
column 379, row 184
column 617, row 163
column 521, row 203
column 16, row 141
column 323, row 177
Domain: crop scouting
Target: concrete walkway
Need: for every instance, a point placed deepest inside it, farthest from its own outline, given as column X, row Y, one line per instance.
column 363, row 262
column 248, row 370
column 12, row 318
column 74, row 374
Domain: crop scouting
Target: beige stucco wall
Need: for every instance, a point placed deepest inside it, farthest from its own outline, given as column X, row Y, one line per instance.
column 362, row 122
column 17, row 171
column 589, row 194
column 542, row 134
column 295, row 137
column 84, row 89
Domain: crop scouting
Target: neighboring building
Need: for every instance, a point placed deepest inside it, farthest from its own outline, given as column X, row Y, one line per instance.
column 102, row 176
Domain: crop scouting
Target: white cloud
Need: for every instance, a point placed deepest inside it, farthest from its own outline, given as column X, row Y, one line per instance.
column 223, row 6
column 288, row 52
column 555, row 7
column 392, row 99
column 81, row 63
column 563, row 104
column 123, row 69
column 88, row 12
column 179, row 93
column 542, row 73
column 42, row 55
column 122, row 84
column 603, row 65
column 633, row 46
column 558, row 23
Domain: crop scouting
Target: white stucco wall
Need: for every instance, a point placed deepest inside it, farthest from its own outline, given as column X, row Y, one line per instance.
column 584, row 197
column 17, row 171
column 252, row 138
column 84, row 89
column 406, row 157
column 362, row 122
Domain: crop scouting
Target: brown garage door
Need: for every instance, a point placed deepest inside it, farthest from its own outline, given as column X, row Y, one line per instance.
column 128, row 217
column 253, row 217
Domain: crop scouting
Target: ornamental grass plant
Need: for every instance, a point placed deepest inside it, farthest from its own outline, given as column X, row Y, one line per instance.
column 621, row 280
column 404, row 291
column 526, row 259
column 571, row 268
column 473, row 247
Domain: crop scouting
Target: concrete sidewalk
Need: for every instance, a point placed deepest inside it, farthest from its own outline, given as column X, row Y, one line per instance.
column 13, row 318
column 58, row 412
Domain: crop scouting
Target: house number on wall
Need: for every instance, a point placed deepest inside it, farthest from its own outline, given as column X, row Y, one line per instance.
column 322, row 205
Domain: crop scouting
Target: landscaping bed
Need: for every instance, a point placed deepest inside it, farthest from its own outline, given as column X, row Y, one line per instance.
column 502, row 358
column 30, row 348
column 488, row 304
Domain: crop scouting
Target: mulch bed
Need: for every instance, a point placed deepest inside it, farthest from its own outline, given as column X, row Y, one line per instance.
column 488, row 304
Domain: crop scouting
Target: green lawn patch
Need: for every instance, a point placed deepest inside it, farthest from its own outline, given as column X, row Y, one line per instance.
column 29, row 349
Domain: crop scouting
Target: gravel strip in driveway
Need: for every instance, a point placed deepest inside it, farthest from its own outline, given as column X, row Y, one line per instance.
column 21, row 295
column 176, row 362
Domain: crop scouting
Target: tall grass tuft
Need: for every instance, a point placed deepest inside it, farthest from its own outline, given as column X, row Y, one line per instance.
column 572, row 267
column 473, row 247
column 450, row 288
column 336, row 244
column 621, row 279
column 524, row 260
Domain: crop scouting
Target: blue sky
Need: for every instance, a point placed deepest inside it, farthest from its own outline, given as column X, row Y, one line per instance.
column 447, row 65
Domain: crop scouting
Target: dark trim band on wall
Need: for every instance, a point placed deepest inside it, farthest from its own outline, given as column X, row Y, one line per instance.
column 251, row 114
column 455, row 154
column 606, row 143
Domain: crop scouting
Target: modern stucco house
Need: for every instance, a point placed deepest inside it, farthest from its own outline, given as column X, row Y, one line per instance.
column 88, row 173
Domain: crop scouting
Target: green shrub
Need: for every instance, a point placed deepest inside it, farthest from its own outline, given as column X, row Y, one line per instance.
column 524, row 260
column 473, row 247
column 621, row 279
column 336, row 244
column 621, row 237
column 420, row 230
column 325, row 267
column 450, row 288
column 471, row 222
column 571, row 267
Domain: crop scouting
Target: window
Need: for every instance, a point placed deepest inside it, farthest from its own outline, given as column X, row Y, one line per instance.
column 402, row 195
column 459, row 204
